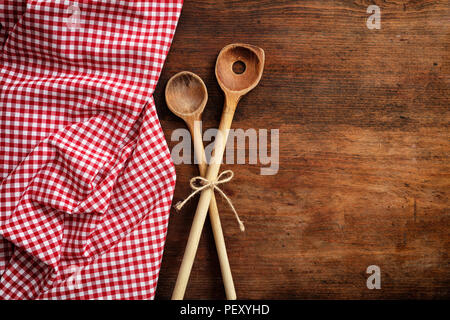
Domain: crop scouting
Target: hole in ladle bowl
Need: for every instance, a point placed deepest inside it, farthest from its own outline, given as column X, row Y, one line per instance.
column 239, row 67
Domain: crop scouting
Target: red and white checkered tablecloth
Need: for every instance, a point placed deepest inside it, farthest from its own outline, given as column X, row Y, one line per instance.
column 86, row 175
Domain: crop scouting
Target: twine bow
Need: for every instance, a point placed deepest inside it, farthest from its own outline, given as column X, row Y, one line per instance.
column 205, row 183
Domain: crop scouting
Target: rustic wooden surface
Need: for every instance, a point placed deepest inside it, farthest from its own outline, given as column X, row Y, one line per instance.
column 364, row 150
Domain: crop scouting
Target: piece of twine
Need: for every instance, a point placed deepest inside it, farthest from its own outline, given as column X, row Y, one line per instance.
column 205, row 183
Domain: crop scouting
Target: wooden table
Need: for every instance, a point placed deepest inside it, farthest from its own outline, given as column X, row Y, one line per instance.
column 364, row 170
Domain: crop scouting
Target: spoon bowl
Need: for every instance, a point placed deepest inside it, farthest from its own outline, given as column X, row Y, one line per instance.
column 239, row 68
column 186, row 95
column 234, row 84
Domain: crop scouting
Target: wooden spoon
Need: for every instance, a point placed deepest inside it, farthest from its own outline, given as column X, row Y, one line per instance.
column 234, row 85
column 186, row 96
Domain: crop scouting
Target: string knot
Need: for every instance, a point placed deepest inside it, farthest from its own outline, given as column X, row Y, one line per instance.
column 199, row 183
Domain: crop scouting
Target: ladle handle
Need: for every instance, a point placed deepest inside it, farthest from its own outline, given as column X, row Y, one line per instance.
column 204, row 201
column 214, row 217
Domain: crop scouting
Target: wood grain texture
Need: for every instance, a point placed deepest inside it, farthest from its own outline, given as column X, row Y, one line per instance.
column 364, row 169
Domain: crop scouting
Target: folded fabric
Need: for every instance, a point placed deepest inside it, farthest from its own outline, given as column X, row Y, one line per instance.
column 86, row 175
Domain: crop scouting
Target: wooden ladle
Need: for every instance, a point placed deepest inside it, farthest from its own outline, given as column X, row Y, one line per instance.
column 186, row 96
column 234, row 85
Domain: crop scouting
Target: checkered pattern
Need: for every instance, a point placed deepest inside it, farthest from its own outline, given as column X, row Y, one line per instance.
column 86, row 175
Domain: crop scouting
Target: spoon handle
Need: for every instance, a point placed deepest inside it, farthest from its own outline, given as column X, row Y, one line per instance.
column 205, row 199
column 214, row 215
